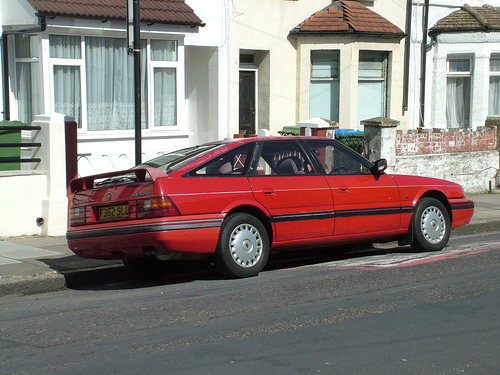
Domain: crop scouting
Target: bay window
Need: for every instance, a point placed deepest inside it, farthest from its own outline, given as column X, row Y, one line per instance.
column 93, row 81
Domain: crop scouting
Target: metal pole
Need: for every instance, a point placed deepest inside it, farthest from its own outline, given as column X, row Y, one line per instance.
column 137, row 81
column 423, row 62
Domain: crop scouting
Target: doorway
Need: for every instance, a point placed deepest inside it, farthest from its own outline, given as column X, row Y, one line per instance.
column 247, row 102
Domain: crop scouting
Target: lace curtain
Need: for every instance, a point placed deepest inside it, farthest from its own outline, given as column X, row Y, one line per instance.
column 110, row 84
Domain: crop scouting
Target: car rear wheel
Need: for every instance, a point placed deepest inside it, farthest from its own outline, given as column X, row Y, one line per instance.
column 431, row 225
column 243, row 247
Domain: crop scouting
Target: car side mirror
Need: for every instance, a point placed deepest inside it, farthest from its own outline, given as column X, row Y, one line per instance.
column 379, row 166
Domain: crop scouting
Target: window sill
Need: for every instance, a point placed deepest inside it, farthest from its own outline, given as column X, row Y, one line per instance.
column 124, row 135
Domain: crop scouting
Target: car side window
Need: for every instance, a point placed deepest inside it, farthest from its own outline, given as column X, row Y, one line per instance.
column 282, row 158
column 233, row 162
column 337, row 159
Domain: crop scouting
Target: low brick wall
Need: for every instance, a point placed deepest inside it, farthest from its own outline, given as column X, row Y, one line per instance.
column 440, row 141
column 468, row 157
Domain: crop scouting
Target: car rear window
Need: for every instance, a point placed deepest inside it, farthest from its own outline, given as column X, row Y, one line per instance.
column 176, row 159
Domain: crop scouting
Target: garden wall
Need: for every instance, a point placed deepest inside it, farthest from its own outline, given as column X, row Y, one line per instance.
column 468, row 157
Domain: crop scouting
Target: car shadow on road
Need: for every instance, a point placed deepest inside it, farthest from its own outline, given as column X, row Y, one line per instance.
column 91, row 274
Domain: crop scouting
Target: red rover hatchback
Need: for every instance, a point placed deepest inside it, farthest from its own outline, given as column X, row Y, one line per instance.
column 237, row 200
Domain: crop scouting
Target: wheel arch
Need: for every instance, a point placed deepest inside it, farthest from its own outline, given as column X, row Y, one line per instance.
column 436, row 194
column 440, row 196
column 259, row 214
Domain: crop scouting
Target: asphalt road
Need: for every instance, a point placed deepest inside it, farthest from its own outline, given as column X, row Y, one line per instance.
column 374, row 311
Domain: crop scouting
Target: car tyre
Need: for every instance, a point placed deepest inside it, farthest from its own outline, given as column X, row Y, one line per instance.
column 243, row 247
column 431, row 225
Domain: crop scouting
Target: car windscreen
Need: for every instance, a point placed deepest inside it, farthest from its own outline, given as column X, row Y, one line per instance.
column 176, row 159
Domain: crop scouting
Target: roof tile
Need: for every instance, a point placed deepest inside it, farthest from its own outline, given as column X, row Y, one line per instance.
column 467, row 18
column 347, row 16
column 157, row 11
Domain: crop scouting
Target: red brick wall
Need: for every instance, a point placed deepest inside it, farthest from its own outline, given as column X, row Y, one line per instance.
column 440, row 141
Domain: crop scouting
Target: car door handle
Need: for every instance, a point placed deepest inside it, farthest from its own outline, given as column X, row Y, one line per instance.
column 268, row 191
column 343, row 189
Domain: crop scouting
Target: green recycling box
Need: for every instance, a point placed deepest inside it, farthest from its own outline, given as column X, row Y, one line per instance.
column 8, row 137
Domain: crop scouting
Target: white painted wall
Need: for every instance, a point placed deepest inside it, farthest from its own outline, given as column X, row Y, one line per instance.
column 22, row 194
column 41, row 193
column 17, row 14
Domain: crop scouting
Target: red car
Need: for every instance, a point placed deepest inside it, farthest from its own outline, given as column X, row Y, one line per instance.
column 237, row 200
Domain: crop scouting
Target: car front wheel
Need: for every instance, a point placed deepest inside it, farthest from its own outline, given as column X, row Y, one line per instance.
column 243, row 247
column 431, row 225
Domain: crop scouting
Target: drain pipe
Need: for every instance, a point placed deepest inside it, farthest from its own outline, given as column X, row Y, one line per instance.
column 406, row 75
column 423, row 62
column 42, row 21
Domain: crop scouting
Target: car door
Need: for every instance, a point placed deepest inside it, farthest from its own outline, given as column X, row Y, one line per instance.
column 365, row 204
column 293, row 190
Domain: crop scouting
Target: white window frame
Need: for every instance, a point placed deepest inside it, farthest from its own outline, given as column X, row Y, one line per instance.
column 465, row 74
column 180, row 71
column 493, row 74
column 13, row 98
column 180, row 86
column 331, row 80
column 57, row 61
column 383, row 80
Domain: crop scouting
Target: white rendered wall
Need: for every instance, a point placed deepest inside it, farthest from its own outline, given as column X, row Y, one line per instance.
column 22, row 194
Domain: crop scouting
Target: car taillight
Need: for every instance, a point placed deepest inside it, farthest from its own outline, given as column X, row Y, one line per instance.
column 77, row 216
column 156, row 207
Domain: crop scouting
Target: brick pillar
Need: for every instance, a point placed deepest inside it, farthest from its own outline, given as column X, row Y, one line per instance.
column 380, row 139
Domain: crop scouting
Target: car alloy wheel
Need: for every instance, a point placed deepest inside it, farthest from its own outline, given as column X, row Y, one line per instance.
column 243, row 246
column 246, row 245
column 431, row 225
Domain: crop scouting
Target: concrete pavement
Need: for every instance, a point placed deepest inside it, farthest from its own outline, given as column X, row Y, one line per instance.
column 35, row 264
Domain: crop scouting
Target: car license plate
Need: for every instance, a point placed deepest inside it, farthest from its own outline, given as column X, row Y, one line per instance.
column 113, row 212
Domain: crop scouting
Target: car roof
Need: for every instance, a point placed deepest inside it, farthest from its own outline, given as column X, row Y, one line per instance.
column 271, row 138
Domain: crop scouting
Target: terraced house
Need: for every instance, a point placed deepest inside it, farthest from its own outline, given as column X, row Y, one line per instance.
column 208, row 70
column 215, row 69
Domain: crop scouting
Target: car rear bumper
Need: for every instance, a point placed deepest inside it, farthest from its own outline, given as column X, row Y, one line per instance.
column 194, row 236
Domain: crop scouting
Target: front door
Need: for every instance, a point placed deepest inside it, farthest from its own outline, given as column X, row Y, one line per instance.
column 247, row 102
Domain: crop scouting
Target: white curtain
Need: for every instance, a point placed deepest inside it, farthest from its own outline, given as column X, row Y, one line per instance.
column 110, row 84
column 67, row 91
column 165, row 108
column 458, row 102
column 23, row 82
column 494, row 97
column 65, row 46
